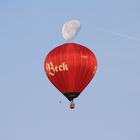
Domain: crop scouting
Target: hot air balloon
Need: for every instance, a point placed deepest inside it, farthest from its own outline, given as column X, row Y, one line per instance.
column 70, row 67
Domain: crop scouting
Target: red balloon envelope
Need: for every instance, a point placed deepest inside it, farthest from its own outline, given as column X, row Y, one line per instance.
column 70, row 67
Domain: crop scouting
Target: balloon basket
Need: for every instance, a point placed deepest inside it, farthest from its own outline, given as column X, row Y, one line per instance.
column 72, row 105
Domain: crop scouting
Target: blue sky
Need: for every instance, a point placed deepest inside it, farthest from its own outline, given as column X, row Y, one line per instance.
column 108, row 109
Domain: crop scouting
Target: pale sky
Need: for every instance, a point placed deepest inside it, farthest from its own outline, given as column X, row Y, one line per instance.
column 108, row 109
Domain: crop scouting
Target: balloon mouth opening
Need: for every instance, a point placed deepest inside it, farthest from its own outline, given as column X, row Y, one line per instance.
column 71, row 95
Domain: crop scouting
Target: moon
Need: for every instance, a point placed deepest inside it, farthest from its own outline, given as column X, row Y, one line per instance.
column 70, row 29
